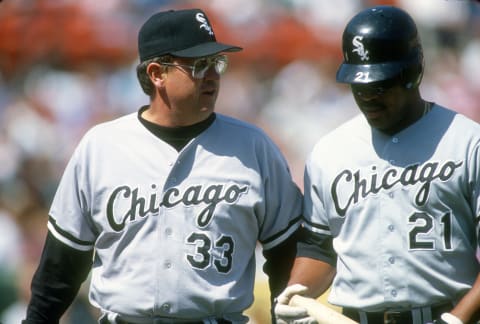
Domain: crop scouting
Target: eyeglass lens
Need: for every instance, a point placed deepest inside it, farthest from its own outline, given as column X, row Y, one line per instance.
column 200, row 66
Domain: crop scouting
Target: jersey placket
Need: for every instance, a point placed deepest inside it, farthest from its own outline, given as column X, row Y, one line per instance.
column 166, row 233
column 393, row 229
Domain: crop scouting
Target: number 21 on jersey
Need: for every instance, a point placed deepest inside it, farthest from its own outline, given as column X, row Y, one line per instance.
column 423, row 229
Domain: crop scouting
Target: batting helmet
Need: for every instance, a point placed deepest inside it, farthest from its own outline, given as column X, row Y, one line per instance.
column 381, row 43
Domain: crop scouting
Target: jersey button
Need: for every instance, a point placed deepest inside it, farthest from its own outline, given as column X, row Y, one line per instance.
column 391, row 228
column 168, row 231
column 391, row 260
column 168, row 264
column 395, row 140
column 393, row 293
column 166, row 307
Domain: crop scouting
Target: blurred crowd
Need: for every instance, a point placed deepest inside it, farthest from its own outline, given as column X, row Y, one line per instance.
column 67, row 65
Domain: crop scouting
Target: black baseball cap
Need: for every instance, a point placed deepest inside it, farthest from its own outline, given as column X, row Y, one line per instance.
column 181, row 33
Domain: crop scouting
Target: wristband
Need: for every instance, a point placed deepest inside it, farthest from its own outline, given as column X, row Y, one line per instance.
column 450, row 319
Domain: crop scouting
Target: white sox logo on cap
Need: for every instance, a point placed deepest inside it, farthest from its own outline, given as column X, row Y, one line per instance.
column 180, row 33
column 203, row 22
column 359, row 48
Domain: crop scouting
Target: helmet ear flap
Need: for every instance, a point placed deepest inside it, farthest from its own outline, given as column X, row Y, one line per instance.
column 412, row 75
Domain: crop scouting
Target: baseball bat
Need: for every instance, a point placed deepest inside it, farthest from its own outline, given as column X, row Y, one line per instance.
column 322, row 313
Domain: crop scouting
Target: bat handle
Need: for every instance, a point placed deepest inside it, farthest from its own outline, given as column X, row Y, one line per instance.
column 322, row 313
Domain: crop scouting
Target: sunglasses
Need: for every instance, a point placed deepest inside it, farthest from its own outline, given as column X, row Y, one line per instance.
column 375, row 88
column 201, row 65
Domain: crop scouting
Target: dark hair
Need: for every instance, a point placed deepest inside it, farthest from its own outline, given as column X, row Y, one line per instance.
column 144, row 79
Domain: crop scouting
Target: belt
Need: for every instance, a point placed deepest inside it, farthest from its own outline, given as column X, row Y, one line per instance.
column 166, row 321
column 418, row 315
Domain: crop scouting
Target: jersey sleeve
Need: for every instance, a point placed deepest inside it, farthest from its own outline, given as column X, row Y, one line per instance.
column 474, row 179
column 69, row 215
column 316, row 240
column 282, row 202
column 314, row 214
column 316, row 246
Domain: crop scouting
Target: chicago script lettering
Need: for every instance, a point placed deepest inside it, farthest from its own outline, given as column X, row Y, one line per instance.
column 354, row 186
column 140, row 207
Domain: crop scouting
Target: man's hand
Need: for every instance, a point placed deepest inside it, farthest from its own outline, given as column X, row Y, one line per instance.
column 285, row 314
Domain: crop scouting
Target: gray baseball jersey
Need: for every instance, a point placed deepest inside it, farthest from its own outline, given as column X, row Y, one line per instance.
column 403, row 210
column 175, row 233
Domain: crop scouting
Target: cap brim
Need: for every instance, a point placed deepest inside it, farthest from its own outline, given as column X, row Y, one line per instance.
column 354, row 73
column 206, row 49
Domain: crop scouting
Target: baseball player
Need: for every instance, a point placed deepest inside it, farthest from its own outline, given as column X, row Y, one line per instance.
column 392, row 197
column 166, row 205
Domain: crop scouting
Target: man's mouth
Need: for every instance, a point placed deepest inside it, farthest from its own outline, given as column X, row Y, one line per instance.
column 372, row 112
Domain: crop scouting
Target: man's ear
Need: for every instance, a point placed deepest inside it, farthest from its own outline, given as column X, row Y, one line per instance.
column 157, row 73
